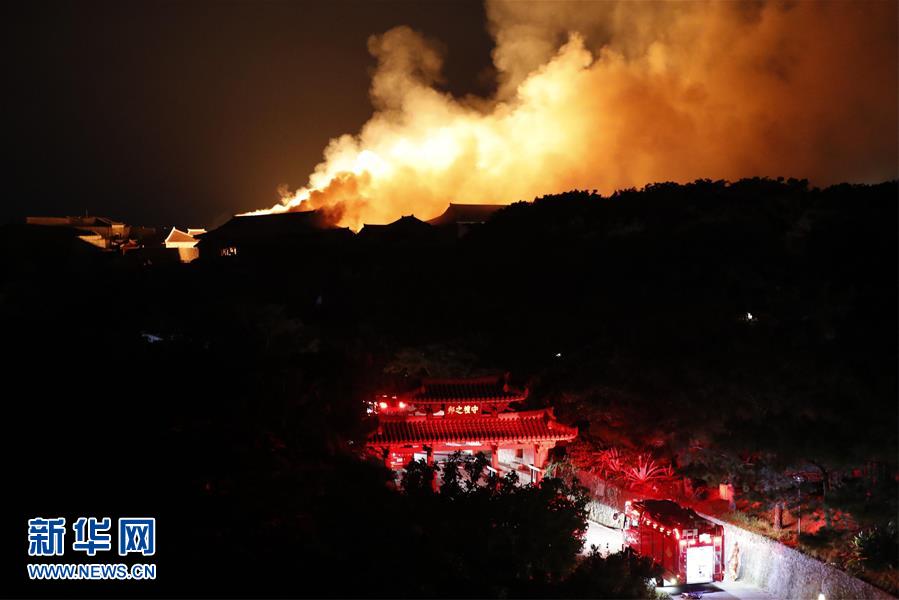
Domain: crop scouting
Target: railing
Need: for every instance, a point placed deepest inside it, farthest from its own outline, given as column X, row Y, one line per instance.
column 605, row 492
column 615, row 496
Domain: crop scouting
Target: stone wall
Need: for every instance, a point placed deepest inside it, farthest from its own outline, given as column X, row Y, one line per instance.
column 763, row 562
column 602, row 513
column 787, row 573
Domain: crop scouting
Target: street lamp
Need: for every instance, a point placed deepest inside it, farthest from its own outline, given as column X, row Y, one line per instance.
column 799, row 480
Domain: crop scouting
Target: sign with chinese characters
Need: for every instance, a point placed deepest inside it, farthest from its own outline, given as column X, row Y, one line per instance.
column 462, row 410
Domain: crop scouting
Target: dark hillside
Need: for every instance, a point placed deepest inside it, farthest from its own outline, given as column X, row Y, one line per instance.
column 763, row 310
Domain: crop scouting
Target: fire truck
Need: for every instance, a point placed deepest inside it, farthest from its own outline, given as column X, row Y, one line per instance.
column 689, row 548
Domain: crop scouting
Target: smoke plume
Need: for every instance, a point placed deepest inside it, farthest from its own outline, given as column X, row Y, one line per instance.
column 608, row 95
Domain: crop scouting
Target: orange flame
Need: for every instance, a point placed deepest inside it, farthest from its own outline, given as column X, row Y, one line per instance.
column 639, row 92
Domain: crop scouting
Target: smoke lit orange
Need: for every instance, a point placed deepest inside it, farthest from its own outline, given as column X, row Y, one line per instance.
column 635, row 93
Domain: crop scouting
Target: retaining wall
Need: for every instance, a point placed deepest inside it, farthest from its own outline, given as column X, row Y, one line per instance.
column 788, row 573
column 765, row 563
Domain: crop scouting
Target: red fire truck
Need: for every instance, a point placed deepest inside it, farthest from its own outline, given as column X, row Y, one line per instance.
column 688, row 547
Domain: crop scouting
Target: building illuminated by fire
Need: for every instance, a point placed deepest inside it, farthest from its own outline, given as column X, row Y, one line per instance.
column 271, row 235
column 266, row 235
column 185, row 242
column 469, row 415
column 102, row 232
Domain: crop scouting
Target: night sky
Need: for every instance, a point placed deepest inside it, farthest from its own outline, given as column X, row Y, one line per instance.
column 185, row 113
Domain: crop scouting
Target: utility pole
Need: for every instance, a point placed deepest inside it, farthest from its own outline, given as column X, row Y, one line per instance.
column 798, row 479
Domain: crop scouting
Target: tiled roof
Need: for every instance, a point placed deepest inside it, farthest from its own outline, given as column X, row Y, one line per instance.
column 537, row 425
column 406, row 222
column 482, row 389
column 466, row 213
column 178, row 236
column 248, row 227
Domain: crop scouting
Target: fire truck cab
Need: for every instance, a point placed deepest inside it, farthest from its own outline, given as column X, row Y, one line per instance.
column 689, row 548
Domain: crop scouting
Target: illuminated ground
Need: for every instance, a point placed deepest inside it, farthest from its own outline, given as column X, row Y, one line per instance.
column 722, row 590
column 609, row 540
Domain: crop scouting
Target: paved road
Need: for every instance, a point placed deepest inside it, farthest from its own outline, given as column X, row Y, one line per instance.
column 610, row 540
column 721, row 590
column 606, row 539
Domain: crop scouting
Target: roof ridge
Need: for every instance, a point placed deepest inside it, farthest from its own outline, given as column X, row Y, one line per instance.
column 461, row 380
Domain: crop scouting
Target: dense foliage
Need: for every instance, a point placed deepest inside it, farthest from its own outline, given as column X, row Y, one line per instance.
column 495, row 538
column 736, row 329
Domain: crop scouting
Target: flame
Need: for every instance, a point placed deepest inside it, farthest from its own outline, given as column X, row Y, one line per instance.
column 638, row 92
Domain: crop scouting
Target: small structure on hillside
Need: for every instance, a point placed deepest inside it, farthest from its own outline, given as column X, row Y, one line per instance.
column 184, row 242
column 102, row 232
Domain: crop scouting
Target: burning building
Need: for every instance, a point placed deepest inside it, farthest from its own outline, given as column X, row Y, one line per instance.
column 462, row 217
column 270, row 234
column 616, row 95
column 404, row 229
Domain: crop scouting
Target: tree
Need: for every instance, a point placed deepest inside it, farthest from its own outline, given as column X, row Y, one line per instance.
column 491, row 535
column 620, row 575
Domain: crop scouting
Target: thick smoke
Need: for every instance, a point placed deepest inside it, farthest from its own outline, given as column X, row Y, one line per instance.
column 607, row 95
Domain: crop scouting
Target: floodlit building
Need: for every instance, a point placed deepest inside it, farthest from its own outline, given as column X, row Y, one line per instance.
column 444, row 416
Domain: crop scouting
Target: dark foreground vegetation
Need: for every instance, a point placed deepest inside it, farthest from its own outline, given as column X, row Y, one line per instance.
column 739, row 331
